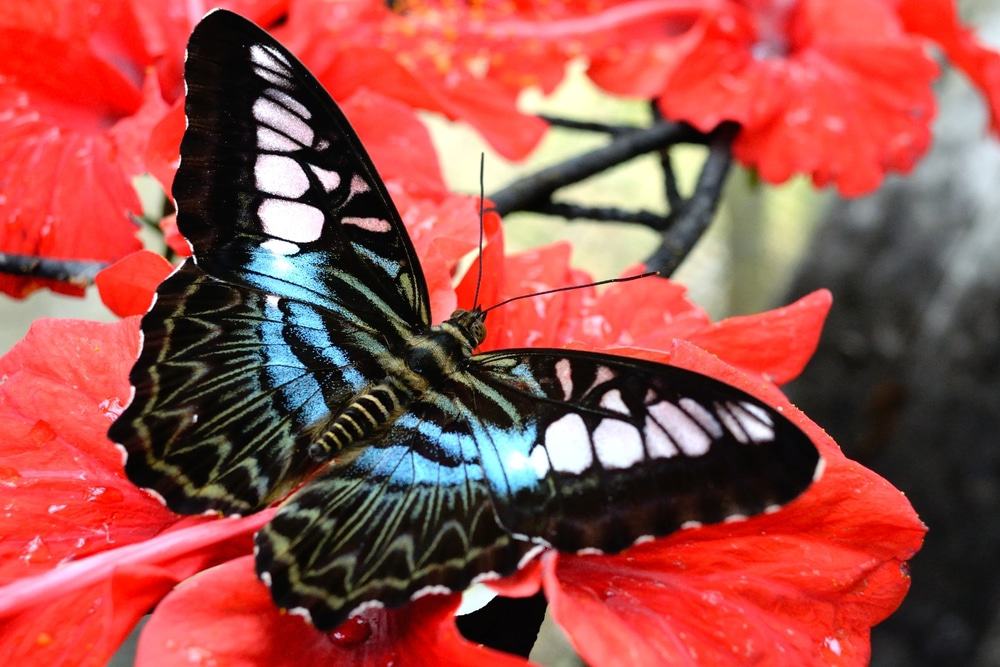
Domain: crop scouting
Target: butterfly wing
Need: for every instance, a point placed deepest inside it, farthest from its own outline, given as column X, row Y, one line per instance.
column 274, row 189
column 411, row 515
column 586, row 451
column 576, row 450
column 302, row 287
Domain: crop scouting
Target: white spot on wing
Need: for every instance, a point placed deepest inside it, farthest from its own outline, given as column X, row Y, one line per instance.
column 365, row 606
column 732, row 424
column 279, row 247
column 568, row 444
column 753, row 427
column 291, row 220
column 658, row 443
column 328, row 179
column 265, row 577
column 267, row 58
column 123, row 452
column 270, row 112
column 270, row 140
column 564, row 372
column 530, row 555
column 682, row 429
column 702, row 416
column 758, row 412
column 589, row 551
column 691, row 524
column 272, row 77
column 618, row 444
column 280, row 175
column 302, row 612
column 288, row 101
column 375, row 225
column 612, row 400
column 539, row 461
column 820, row 469
column 430, row 590
column 476, row 597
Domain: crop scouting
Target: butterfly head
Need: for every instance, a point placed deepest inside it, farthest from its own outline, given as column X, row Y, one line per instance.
column 470, row 325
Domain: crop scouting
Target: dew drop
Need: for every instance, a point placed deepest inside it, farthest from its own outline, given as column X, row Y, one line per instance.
column 104, row 495
column 351, row 632
column 9, row 476
column 111, row 408
column 197, row 655
column 36, row 551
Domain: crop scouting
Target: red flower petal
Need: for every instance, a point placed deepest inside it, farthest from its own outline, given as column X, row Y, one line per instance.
column 128, row 285
column 64, row 491
column 172, row 236
column 226, row 615
column 776, row 344
column 406, row 59
column 939, row 20
column 163, row 150
column 89, row 606
column 801, row 586
column 850, row 100
column 401, row 149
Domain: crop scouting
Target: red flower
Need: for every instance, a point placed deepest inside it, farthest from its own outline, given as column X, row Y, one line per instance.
column 803, row 585
column 838, row 89
column 416, row 57
column 82, row 84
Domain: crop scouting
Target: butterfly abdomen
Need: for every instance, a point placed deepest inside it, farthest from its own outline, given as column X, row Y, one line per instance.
column 364, row 416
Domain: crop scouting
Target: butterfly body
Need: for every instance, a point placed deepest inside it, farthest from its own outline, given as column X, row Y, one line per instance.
column 293, row 358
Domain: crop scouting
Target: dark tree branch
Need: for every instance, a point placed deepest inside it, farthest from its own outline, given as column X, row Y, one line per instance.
column 588, row 126
column 535, row 189
column 696, row 213
column 602, row 214
column 74, row 271
column 666, row 164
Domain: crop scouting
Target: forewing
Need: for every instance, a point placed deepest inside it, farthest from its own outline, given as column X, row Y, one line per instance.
column 608, row 450
column 226, row 386
column 274, row 189
column 399, row 521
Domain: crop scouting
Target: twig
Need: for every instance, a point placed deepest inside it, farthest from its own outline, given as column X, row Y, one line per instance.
column 666, row 164
column 537, row 188
column 602, row 214
column 588, row 126
column 696, row 213
column 74, row 271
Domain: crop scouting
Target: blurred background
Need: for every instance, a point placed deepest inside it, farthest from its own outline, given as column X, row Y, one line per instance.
column 907, row 376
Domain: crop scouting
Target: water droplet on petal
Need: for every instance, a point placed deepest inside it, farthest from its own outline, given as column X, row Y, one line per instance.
column 111, row 408
column 351, row 632
column 36, row 551
column 9, row 476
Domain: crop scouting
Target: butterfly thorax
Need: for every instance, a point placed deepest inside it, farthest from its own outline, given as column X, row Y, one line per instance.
column 432, row 357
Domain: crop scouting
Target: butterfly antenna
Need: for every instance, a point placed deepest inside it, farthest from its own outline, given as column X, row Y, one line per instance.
column 482, row 226
column 572, row 287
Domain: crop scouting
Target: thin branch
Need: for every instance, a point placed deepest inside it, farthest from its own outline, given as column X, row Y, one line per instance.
column 74, row 271
column 601, row 214
column 535, row 189
column 588, row 126
column 670, row 189
column 693, row 219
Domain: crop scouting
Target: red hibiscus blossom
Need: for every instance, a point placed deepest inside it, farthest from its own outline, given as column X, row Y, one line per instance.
column 87, row 554
column 81, row 85
column 837, row 89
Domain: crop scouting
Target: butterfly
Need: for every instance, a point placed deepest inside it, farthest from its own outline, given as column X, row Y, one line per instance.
column 293, row 357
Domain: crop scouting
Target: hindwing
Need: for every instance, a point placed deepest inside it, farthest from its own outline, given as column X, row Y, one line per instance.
column 226, row 386
column 411, row 515
column 609, row 450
